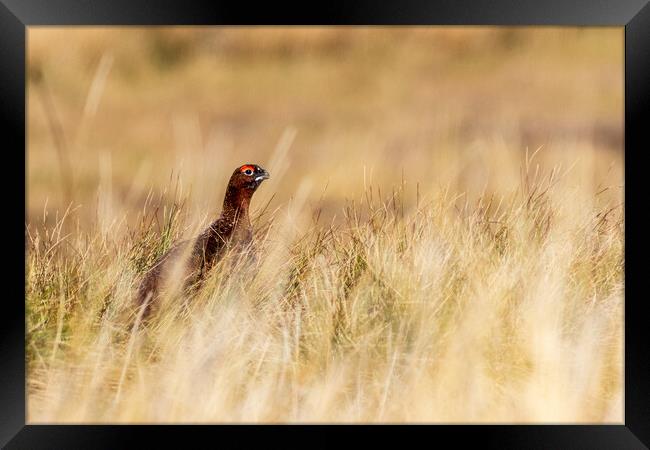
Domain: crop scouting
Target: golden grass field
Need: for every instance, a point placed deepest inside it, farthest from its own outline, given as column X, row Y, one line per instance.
column 441, row 239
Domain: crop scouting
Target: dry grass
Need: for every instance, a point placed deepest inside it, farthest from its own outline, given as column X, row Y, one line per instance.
column 426, row 254
column 509, row 311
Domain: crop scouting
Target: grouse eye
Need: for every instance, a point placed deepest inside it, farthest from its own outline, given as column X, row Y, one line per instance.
column 248, row 172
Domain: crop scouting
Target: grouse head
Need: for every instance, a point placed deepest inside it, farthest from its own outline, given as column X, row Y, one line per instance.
column 243, row 183
column 248, row 178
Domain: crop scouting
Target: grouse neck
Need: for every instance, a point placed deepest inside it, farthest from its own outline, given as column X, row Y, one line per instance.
column 236, row 203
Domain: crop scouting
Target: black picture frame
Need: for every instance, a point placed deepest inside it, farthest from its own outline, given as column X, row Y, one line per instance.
column 17, row 15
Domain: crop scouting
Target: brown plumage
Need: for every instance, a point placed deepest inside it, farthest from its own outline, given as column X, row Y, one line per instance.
column 232, row 230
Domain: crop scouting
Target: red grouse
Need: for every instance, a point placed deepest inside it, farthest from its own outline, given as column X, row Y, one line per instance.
column 232, row 230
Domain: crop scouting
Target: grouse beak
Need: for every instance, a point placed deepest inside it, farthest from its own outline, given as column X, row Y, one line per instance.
column 263, row 175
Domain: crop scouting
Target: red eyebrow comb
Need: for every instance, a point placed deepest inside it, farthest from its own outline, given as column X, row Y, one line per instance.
column 246, row 167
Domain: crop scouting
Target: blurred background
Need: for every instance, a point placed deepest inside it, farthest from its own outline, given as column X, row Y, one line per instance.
column 114, row 113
